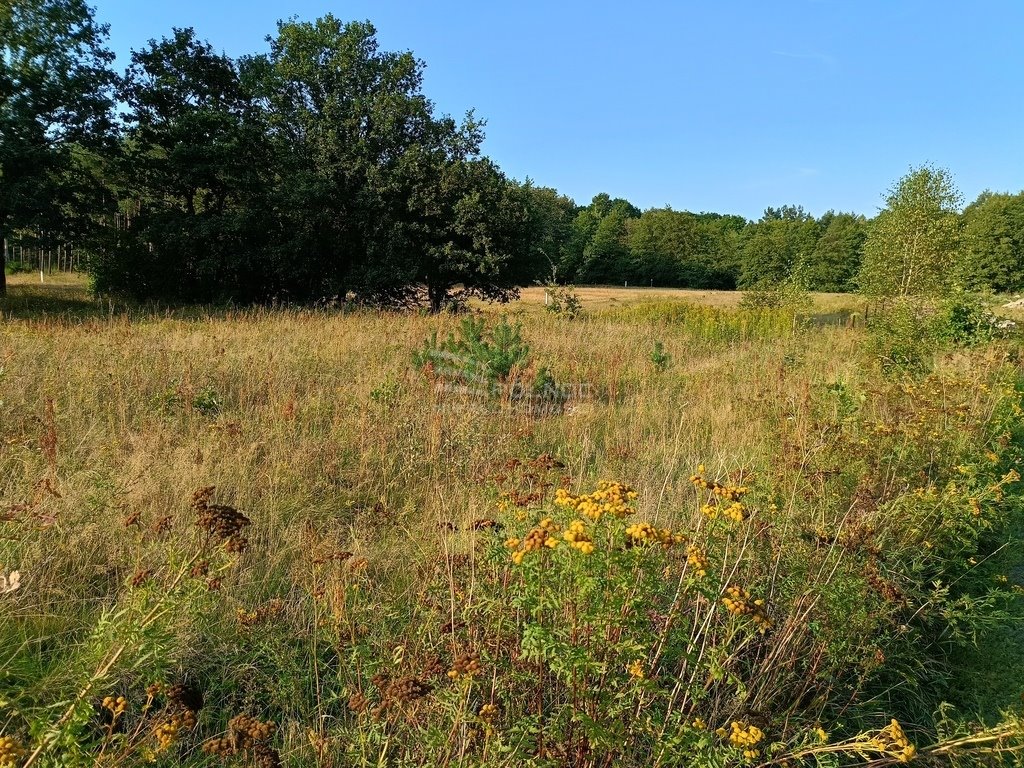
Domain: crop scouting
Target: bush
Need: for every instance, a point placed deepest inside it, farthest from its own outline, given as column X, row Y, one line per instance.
column 561, row 300
column 477, row 354
column 902, row 335
column 660, row 359
column 964, row 321
column 791, row 293
column 906, row 332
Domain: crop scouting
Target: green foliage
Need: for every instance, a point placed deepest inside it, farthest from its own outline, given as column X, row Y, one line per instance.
column 836, row 258
column 993, row 239
column 477, row 353
column 562, row 301
column 179, row 397
column 660, row 359
column 318, row 171
column 191, row 176
column 963, row 320
column 912, row 268
column 673, row 248
column 906, row 332
column 902, row 335
column 207, row 402
column 56, row 94
column 777, row 245
column 912, row 248
column 789, row 293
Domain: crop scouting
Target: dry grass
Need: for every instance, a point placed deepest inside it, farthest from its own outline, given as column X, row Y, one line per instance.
column 604, row 297
column 319, row 428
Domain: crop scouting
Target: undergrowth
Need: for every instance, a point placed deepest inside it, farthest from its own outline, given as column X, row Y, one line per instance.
column 269, row 540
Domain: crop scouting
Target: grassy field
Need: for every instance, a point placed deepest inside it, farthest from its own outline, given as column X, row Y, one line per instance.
column 268, row 537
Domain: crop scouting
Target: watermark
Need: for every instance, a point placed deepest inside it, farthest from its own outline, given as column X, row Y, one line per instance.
column 463, row 384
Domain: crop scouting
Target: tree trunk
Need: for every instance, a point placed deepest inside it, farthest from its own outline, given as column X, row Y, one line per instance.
column 436, row 294
column 3, row 266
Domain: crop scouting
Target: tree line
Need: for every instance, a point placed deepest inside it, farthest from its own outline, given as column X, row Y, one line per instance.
column 320, row 170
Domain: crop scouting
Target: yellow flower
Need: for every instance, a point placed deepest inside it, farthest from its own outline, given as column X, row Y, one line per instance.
column 636, row 670
column 744, row 735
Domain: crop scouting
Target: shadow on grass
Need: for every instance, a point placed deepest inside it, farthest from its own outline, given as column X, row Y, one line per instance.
column 989, row 677
column 68, row 299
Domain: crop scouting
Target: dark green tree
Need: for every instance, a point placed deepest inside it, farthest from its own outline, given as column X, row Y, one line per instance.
column 833, row 264
column 598, row 251
column 376, row 196
column 677, row 248
column 773, row 247
column 192, row 179
column 606, row 257
column 342, row 115
column 467, row 228
column 56, row 95
column 550, row 232
column 993, row 239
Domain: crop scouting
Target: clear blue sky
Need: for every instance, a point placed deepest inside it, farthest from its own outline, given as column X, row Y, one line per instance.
column 719, row 105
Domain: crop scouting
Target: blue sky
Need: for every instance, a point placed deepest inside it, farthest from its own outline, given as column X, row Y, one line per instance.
column 721, row 105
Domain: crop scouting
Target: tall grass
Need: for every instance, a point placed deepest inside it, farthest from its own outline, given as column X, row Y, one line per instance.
column 372, row 568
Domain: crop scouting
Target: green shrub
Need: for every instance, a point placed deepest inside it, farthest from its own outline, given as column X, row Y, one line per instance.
column 561, row 300
column 660, row 359
column 477, row 353
column 902, row 335
column 964, row 321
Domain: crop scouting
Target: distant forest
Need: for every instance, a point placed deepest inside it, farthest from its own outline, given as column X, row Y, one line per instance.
column 319, row 170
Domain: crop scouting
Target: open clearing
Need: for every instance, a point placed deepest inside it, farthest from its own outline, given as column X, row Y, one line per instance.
column 361, row 576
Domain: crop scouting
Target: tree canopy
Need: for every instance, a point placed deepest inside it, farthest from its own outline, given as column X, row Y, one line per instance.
column 912, row 247
column 320, row 170
column 56, row 95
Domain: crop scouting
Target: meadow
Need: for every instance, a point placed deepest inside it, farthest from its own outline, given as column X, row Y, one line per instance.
column 671, row 531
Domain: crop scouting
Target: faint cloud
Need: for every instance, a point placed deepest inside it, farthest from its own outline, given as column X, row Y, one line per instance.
column 824, row 58
column 783, row 180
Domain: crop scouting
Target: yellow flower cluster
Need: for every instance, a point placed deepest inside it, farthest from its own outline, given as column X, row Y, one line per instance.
column 609, row 499
column 898, row 743
column 743, row 736
column 636, row 670
column 737, row 601
column 697, row 561
column 543, row 535
column 488, row 713
column 11, row 752
column 167, row 731
column 724, row 500
column 116, row 706
column 699, row 724
column 734, row 511
column 645, row 533
column 718, row 490
column 578, row 537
